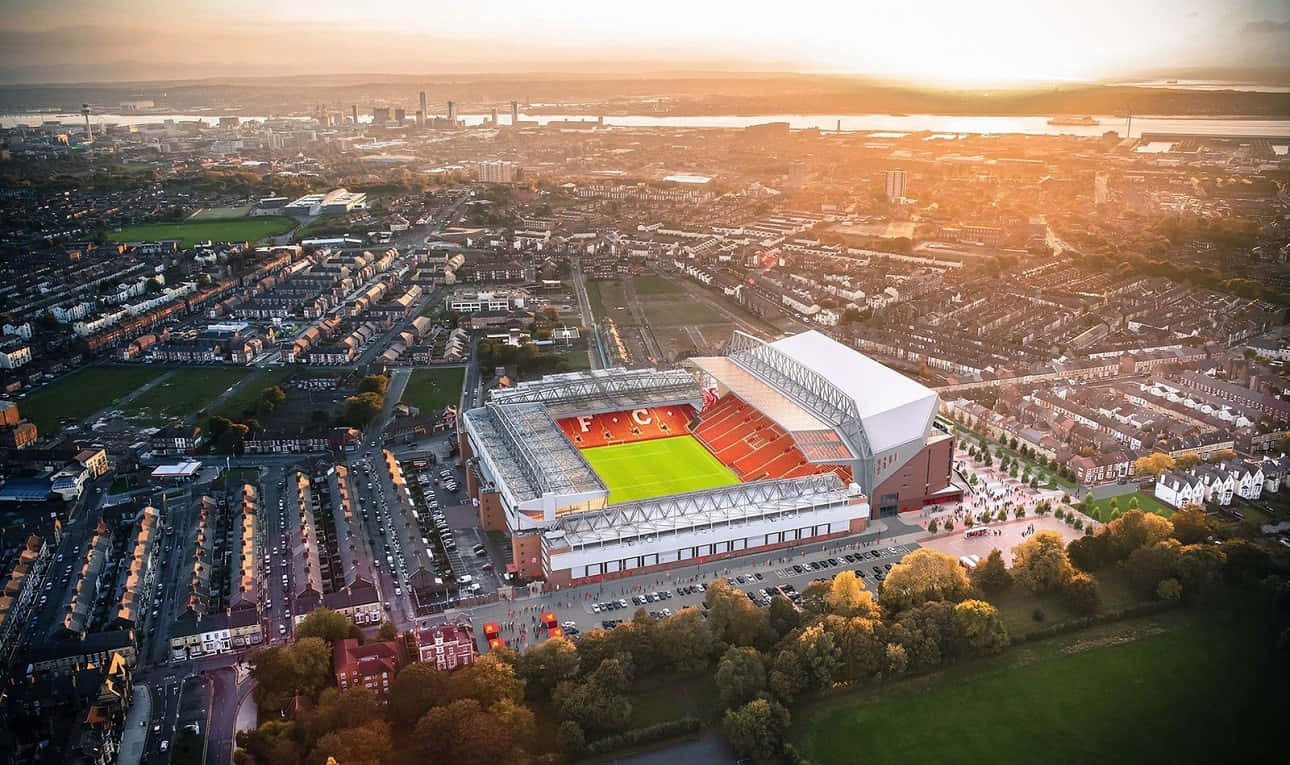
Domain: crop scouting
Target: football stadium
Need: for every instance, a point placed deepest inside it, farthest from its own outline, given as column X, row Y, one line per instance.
column 612, row 472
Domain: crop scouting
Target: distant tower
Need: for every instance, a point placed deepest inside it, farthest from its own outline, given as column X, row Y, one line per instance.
column 452, row 113
column 492, row 117
column 353, row 113
column 896, row 180
column 423, row 102
column 515, row 112
column 89, row 131
column 600, row 122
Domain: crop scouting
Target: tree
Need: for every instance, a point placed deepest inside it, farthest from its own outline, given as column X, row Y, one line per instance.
column 733, row 618
column 328, row 625
column 784, row 618
column 517, row 719
column 369, row 744
column 1081, row 595
column 374, row 384
column 1148, row 566
column 461, row 732
column 756, row 730
column 819, row 656
column 363, row 408
column 1222, row 455
column 573, row 742
column 932, row 525
column 1040, row 563
column 300, row 669
column 1090, row 553
column 489, row 680
column 1191, row 525
column 1135, row 529
column 547, row 664
column 981, row 626
column 991, row 575
column 848, row 597
column 415, row 689
column 924, row 575
column 592, row 706
column 740, row 677
column 1187, row 461
column 683, row 641
column 1153, row 464
column 787, row 678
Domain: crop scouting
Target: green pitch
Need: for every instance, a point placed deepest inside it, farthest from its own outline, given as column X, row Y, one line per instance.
column 647, row 469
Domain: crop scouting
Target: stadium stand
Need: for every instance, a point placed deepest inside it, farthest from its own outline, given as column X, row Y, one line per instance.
column 627, row 426
column 755, row 448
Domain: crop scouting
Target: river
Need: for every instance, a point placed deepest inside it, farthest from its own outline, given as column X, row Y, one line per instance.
column 942, row 124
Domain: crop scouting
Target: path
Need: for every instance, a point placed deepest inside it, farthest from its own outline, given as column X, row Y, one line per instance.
column 134, row 739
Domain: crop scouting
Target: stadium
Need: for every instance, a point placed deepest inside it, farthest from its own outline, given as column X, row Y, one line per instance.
column 600, row 474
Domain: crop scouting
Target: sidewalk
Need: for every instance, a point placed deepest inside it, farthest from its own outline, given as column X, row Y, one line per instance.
column 134, row 739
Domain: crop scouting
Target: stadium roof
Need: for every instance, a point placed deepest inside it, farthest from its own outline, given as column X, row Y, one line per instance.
column 727, row 504
column 893, row 408
column 602, row 390
column 529, row 453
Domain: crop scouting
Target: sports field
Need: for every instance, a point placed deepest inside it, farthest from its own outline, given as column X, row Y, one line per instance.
column 653, row 468
column 191, row 232
column 1135, row 691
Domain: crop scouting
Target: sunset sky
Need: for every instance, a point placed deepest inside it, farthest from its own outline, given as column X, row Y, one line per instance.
column 943, row 42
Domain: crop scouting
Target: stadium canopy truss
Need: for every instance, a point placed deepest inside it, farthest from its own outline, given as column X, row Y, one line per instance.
column 530, row 455
column 727, row 505
column 826, row 403
column 604, row 390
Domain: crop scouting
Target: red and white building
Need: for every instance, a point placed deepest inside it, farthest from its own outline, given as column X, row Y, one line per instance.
column 446, row 646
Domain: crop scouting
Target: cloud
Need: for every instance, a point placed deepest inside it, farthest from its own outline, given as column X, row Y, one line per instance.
column 1266, row 27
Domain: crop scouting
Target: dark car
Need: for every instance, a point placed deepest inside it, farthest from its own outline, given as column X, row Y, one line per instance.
column 860, row 573
column 815, row 565
column 849, row 557
column 877, row 570
column 757, row 575
column 797, row 569
column 833, row 561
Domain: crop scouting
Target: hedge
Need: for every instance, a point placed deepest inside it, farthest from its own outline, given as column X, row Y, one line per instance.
column 1083, row 622
column 647, row 735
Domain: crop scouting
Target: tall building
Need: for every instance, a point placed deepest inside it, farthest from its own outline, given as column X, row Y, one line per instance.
column 896, row 182
column 452, row 112
column 354, row 113
column 400, row 114
column 492, row 117
column 515, row 112
column 380, row 115
column 421, row 118
column 1101, row 188
column 796, row 173
column 496, row 171
column 423, row 102
column 89, row 131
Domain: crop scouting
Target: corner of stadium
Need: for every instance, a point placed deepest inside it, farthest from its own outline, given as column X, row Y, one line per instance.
column 616, row 472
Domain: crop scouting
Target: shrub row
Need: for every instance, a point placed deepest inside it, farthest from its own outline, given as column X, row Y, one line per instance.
column 647, row 735
column 1084, row 622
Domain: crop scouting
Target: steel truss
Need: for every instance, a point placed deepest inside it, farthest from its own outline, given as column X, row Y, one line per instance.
column 704, row 509
column 810, row 390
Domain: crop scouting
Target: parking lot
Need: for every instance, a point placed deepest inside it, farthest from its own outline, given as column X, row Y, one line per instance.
column 760, row 577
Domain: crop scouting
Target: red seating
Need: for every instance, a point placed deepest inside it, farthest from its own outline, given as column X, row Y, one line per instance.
column 626, row 426
column 753, row 446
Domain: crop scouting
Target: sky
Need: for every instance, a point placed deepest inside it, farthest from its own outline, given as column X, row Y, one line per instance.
column 937, row 42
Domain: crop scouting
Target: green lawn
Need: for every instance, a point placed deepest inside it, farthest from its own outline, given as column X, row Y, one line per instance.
column 184, row 393
column 596, row 300
column 83, row 393
column 431, row 389
column 670, row 697
column 191, row 232
column 665, row 312
column 1147, row 503
column 1175, row 688
column 653, row 468
column 235, row 406
column 655, row 285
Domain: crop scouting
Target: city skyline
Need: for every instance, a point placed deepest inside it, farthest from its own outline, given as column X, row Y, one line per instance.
column 930, row 43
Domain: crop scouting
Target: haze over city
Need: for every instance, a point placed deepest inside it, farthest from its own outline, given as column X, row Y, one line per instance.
column 512, row 383
column 938, row 42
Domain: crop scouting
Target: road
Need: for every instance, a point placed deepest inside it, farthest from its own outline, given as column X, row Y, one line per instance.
column 596, row 351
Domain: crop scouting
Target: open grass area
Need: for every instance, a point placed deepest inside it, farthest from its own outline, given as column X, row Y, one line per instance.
column 670, row 697
column 1101, row 508
column 1145, row 690
column 83, row 393
column 655, row 285
column 244, row 398
column 653, row 468
column 183, row 393
column 432, row 389
column 220, row 213
column 683, row 311
column 190, row 233
column 1017, row 605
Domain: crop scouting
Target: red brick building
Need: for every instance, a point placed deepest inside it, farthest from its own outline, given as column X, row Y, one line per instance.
column 446, row 646
column 372, row 666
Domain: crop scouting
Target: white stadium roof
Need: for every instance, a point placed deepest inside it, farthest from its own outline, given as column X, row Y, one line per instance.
column 893, row 408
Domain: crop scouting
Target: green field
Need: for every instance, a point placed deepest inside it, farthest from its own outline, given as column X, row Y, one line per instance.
column 1174, row 688
column 184, row 393
column 234, row 407
column 647, row 469
column 192, row 232
column 1146, row 502
column 83, row 393
column 655, row 285
column 220, row 213
column 432, row 389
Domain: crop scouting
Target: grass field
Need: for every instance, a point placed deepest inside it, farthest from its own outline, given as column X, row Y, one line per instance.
column 431, row 389
column 83, row 393
column 183, row 393
column 246, row 397
column 1147, row 503
column 653, row 468
column 191, row 232
column 220, row 213
column 655, row 285
column 1147, row 690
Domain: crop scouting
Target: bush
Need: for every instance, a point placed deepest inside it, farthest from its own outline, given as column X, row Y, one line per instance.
column 1059, row 513
column 1037, row 614
column 646, row 735
column 1080, row 594
column 931, row 526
